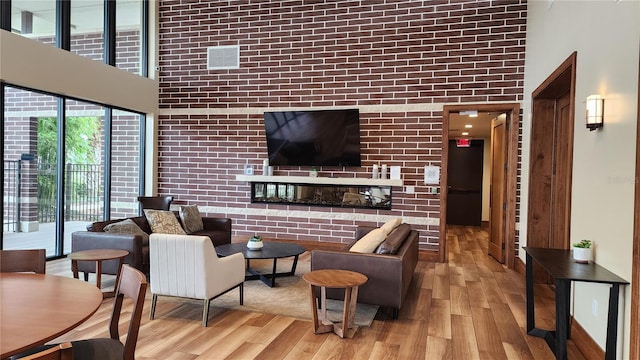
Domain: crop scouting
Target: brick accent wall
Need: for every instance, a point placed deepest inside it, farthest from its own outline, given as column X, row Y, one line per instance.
column 399, row 62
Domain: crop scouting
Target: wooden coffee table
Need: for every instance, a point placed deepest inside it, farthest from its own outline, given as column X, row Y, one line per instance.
column 333, row 278
column 98, row 255
column 271, row 250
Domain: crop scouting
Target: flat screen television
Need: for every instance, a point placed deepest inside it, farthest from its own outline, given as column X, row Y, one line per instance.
column 313, row 138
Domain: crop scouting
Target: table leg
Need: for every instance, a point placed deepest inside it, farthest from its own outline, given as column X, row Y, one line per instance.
column 74, row 268
column 350, row 299
column 531, row 317
column 563, row 288
column 273, row 273
column 99, row 274
column 352, row 305
column 115, row 286
column 322, row 325
column 342, row 329
column 323, row 305
column 293, row 267
column 612, row 322
column 314, row 310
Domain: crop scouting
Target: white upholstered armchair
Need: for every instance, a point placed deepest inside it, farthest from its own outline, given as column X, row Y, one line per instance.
column 188, row 266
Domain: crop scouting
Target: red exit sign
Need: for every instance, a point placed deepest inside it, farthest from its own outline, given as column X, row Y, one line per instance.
column 463, row 142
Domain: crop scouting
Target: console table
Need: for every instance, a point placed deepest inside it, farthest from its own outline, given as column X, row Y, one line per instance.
column 561, row 266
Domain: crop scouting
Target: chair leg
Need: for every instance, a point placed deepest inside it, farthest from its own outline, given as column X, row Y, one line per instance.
column 395, row 313
column 205, row 312
column 152, row 313
column 241, row 293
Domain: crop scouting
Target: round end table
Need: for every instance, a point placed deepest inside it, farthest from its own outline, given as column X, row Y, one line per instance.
column 334, row 278
column 98, row 255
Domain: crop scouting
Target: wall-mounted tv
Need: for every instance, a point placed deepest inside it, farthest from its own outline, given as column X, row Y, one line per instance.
column 314, row 137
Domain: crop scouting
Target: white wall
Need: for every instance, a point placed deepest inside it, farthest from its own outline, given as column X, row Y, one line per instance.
column 605, row 35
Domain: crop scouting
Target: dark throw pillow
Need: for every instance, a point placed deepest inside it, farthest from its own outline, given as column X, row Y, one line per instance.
column 191, row 219
column 127, row 227
column 394, row 240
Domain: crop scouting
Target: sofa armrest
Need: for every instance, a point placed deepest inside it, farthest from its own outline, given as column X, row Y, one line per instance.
column 220, row 224
column 217, row 229
column 90, row 240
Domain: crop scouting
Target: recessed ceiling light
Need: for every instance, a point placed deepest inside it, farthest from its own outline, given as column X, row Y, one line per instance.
column 465, row 133
column 468, row 126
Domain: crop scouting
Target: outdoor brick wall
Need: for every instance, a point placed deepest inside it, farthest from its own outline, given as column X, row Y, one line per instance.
column 399, row 62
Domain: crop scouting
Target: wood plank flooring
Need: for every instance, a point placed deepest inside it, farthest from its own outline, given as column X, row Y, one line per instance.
column 469, row 308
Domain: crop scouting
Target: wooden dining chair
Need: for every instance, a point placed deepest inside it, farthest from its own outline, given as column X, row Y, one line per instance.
column 155, row 202
column 29, row 260
column 133, row 285
column 62, row 351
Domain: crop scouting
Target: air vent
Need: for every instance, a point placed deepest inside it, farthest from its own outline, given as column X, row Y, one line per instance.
column 223, row 57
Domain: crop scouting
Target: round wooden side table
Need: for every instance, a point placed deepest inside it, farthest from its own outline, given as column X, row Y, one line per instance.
column 98, row 255
column 333, row 278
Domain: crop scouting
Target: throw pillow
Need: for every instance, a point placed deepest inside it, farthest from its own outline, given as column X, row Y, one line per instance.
column 392, row 243
column 163, row 222
column 127, row 227
column 369, row 242
column 191, row 219
column 390, row 225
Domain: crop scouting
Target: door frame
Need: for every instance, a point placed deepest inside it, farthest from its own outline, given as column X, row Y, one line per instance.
column 634, row 351
column 561, row 81
column 511, row 156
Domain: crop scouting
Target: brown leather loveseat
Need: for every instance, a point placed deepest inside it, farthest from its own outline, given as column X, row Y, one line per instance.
column 389, row 274
column 217, row 229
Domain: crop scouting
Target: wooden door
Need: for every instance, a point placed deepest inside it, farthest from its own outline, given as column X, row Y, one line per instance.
column 560, row 212
column 464, row 197
column 497, row 203
column 550, row 177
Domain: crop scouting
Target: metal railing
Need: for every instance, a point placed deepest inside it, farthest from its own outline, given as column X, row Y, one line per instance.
column 10, row 196
column 83, row 193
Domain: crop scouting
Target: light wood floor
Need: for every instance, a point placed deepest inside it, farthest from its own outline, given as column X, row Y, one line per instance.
column 469, row 308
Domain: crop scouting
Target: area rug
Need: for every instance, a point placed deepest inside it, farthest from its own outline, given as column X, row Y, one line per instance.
column 290, row 297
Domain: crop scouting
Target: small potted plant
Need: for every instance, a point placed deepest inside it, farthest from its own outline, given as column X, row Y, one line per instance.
column 583, row 251
column 255, row 243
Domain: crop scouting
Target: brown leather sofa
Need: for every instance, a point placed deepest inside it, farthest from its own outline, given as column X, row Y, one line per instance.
column 389, row 275
column 217, row 229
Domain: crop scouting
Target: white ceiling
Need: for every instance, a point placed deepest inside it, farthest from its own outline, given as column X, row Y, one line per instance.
column 481, row 125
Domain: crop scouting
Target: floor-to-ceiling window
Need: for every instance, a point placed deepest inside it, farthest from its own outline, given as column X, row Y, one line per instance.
column 54, row 168
column 69, row 162
column 30, row 139
column 125, row 163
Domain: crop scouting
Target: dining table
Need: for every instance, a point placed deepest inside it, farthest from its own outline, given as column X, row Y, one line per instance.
column 37, row 308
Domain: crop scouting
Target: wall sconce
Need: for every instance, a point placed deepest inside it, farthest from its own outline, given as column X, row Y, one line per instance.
column 595, row 111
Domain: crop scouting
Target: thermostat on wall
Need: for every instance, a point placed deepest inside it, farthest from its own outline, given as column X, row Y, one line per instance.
column 248, row 169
